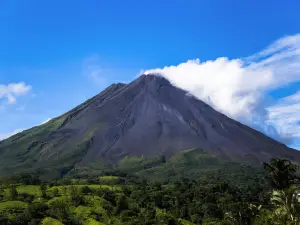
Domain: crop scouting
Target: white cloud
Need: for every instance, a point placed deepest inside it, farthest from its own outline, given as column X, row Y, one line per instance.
column 13, row 90
column 239, row 87
column 285, row 116
column 46, row 121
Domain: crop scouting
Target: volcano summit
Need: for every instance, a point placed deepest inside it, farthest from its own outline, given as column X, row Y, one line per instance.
column 147, row 117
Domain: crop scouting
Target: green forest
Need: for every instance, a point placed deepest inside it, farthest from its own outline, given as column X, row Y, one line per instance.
column 189, row 188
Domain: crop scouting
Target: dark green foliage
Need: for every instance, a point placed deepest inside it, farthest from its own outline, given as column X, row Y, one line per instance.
column 214, row 197
column 76, row 196
column 43, row 188
column 86, row 190
column 121, row 205
column 110, row 196
column 23, row 178
column 1, row 193
column 281, row 173
column 54, row 193
column 59, row 210
column 37, row 210
column 13, row 193
column 25, row 197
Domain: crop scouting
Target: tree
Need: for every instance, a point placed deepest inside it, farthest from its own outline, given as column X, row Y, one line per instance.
column 287, row 204
column 265, row 217
column 109, row 196
column 43, row 188
column 86, row 190
column 37, row 210
column 163, row 159
column 1, row 193
column 76, row 197
column 3, row 219
column 121, row 205
column 281, row 173
column 54, row 193
column 13, row 193
column 60, row 210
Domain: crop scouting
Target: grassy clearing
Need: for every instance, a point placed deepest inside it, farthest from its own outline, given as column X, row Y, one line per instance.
column 59, row 199
column 93, row 222
column 51, row 221
column 12, row 207
column 62, row 190
column 29, row 189
column 109, row 178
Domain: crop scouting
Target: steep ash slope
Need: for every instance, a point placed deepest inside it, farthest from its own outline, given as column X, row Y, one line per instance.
column 146, row 117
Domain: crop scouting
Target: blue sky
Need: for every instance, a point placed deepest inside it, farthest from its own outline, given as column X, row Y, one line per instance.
column 56, row 54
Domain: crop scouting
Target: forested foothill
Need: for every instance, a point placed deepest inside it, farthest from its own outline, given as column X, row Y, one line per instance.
column 189, row 188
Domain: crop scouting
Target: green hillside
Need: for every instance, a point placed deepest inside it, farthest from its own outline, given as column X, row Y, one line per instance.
column 193, row 164
column 209, row 192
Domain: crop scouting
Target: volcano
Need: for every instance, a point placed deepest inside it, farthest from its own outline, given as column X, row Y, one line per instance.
column 147, row 117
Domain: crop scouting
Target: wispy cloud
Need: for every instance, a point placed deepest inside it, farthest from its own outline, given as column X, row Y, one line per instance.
column 239, row 87
column 285, row 116
column 13, row 90
column 93, row 68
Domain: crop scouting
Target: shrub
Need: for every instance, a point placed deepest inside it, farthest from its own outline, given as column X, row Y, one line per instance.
column 26, row 197
column 51, row 221
column 86, row 190
column 13, row 193
column 37, row 210
column 59, row 209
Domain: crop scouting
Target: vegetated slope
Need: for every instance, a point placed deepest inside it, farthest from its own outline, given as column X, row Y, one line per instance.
column 39, row 148
column 193, row 164
column 147, row 117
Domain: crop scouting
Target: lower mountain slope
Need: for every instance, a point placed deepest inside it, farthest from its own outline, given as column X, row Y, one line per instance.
column 148, row 117
column 193, row 164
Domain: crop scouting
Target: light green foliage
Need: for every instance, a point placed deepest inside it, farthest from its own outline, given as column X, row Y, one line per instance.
column 83, row 212
column 265, row 217
column 59, row 199
column 66, row 189
column 29, row 189
column 185, row 222
column 12, row 205
column 287, row 204
column 109, row 178
column 94, row 201
column 12, row 208
column 51, row 221
column 93, row 222
column 216, row 197
column 135, row 164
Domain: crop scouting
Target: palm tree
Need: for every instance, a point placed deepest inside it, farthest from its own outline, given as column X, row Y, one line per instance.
column 282, row 173
column 287, row 205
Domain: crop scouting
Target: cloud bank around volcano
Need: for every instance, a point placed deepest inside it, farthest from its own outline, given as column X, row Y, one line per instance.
column 242, row 88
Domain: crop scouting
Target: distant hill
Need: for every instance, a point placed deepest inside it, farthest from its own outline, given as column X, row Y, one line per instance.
column 148, row 117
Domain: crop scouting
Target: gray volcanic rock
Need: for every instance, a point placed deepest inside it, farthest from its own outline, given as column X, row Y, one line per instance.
column 147, row 117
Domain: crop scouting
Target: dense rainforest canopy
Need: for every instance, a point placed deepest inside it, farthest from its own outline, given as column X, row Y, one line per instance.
column 137, row 193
